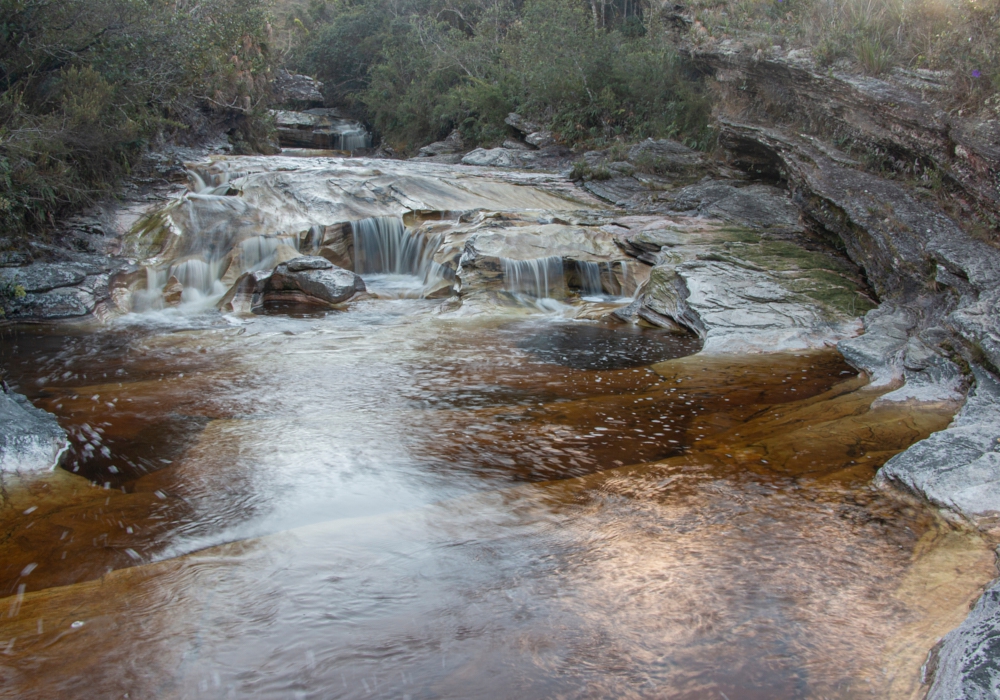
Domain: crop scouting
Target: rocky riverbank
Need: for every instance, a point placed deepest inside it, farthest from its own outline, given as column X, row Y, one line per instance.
column 785, row 243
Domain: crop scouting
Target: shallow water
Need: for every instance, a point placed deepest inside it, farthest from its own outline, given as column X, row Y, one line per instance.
column 400, row 501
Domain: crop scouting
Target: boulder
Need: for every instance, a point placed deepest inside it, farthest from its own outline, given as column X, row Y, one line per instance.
column 311, row 280
column 541, row 139
column 31, row 439
column 492, row 158
column 452, row 144
column 521, row 124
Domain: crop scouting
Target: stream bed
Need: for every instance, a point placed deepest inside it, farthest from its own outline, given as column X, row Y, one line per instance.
column 404, row 502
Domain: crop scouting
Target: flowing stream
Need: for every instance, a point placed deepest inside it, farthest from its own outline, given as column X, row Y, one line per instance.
column 397, row 500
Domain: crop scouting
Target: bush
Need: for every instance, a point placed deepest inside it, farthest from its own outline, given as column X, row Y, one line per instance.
column 85, row 85
column 434, row 69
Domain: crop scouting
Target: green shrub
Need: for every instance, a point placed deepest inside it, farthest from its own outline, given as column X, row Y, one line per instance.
column 86, row 85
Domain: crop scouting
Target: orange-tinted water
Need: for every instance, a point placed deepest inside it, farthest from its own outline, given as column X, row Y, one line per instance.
column 389, row 502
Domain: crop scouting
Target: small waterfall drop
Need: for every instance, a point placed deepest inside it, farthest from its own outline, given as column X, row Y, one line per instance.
column 383, row 245
column 353, row 139
column 590, row 279
column 541, row 278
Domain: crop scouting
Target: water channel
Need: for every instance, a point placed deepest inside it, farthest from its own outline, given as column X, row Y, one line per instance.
column 402, row 500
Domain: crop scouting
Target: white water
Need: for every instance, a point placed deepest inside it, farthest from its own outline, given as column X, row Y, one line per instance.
column 385, row 251
column 541, row 278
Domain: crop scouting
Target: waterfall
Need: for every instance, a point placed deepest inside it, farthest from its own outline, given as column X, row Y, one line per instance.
column 382, row 244
column 537, row 278
column 261, row 252
column 196, row 274
column 353, row 139
column 590, row 278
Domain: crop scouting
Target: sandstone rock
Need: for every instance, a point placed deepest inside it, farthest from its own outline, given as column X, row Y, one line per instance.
column 521, row 124
column 31, row 439
column 492, row 157
column 666, row 156
column 958, row 468
column 514, row 145
column 541, row 139
column 452, row 144
column 172, row 292
column 312, row 280
column 964, row 665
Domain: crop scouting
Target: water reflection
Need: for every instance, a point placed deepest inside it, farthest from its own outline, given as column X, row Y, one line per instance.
column 398, row 501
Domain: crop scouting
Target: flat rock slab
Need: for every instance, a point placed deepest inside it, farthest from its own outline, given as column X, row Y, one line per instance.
column 958, row 468
column 42, row 277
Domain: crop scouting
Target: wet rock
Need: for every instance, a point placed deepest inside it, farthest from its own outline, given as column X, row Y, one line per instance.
column 965, row 665
column 958, row 468
column 30, row 439
column 246, row 294
column 312, row 280
column 739, row 310
column 321, row 129
column 297, row 91
column 66, row 302
column 173, row 290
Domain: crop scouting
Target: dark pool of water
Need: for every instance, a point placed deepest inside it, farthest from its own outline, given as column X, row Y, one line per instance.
column 599, row 346
column 395, row 502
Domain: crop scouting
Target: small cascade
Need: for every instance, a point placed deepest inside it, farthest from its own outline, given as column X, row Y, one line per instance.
column 196, row 274
column 353, row 139
column 541, row 278
column 261, row 252
column 383, row 245
column 590, row 278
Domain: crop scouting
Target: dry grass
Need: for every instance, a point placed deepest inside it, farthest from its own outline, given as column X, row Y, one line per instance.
column 961, row 37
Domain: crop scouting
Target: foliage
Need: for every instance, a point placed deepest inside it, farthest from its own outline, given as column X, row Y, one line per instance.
column 958, row 36
column 9, row 291
column 419, row 69
column 85, row 85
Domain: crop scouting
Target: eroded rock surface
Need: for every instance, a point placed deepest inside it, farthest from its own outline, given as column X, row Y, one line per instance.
column 31, row 439
column 966, row 666
column 311, row 280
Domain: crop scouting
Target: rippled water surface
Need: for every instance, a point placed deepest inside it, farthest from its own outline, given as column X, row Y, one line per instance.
column 402, row 501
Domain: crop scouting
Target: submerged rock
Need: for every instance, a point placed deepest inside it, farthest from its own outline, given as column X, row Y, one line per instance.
column 30, row 439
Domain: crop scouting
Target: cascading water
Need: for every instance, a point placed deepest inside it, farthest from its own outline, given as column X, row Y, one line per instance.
column 590, row 279
column 541, row 278
column 353, row 139
column 598, row 281
column 384, row 246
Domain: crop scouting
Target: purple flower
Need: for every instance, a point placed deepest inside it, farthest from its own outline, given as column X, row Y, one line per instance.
column 975, row 73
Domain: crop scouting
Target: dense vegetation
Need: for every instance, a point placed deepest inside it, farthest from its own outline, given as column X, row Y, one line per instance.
column 597, row 70
column 419, row 68
column 86, row 85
